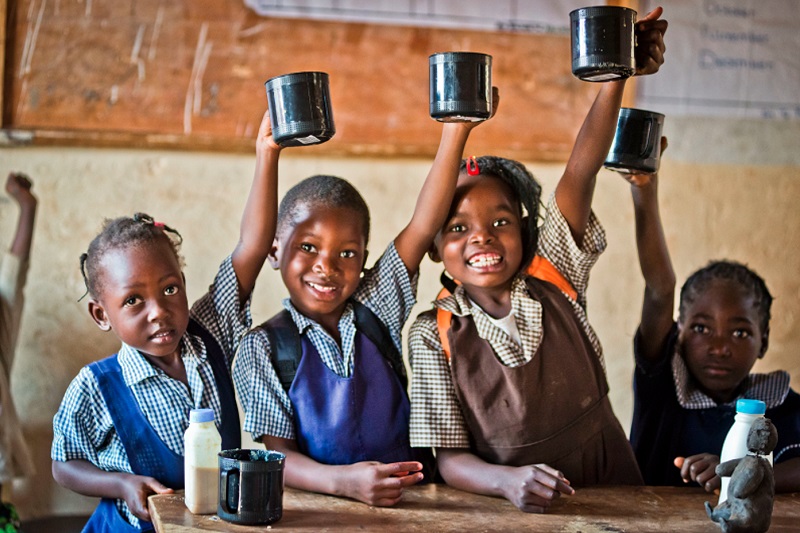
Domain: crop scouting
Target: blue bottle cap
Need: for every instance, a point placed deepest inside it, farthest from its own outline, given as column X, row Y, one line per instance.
column 201, row 415
column 751, row 407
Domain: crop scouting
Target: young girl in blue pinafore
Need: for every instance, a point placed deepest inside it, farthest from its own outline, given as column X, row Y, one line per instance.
column 119, row 431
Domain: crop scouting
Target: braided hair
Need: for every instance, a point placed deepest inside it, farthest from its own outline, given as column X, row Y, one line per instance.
column 738, row 273
column 526, row 190
column 120, row 233
column 323, row 191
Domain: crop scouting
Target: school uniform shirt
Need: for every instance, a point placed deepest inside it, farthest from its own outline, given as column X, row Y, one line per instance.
column 15, row 457
column 385, row 289
column 83, row 428
column 673, row 418
column 436, row 418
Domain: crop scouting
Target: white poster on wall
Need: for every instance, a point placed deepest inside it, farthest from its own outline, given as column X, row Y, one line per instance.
column 727, row 58
column 530, row 16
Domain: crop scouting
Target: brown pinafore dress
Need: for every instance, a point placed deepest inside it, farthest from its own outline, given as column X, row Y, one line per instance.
column 553, row 409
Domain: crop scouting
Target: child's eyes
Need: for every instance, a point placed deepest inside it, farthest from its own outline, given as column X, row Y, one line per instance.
column 500, row 222
column 700, row 328
column 741, row 334
column 306, row 247
column 347, row 254
column 172, row 289
column 456, row 228
column 131, row 301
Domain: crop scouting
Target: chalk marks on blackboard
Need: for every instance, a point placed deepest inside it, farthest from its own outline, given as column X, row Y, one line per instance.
column 194, row 92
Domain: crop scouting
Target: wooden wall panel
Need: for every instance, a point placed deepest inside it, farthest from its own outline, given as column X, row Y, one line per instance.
column 190, row 74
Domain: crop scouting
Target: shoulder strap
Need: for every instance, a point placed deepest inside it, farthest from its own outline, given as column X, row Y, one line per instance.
column 539, row 268
column 376, row 331
column 285, row 349
column 229, row 419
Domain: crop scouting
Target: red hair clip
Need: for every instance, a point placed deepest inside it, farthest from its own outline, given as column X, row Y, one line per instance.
column 472, row 166
column 158, row 224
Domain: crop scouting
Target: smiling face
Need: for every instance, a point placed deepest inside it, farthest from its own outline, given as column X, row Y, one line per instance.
column 142, row 298
column 721, row 337
column 481, row 242
column 321, row 254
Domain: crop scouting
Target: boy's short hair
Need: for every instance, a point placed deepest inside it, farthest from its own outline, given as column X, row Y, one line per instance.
column 527, row 191
column 699, row 281
column 123, row 232
column 322, row 190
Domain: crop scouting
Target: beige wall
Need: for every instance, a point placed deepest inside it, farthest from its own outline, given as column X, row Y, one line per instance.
column 744, row 212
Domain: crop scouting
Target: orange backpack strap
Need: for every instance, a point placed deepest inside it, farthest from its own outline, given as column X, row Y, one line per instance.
column 539, row 268
column 543, row 269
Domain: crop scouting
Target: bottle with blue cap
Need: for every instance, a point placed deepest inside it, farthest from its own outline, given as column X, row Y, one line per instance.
column 202, row 444
column 735, row 445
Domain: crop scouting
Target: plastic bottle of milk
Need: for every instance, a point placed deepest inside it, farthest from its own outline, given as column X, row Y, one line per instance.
column 202, row 443
column 735, row 445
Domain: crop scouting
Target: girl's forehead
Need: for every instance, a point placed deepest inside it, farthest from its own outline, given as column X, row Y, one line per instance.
column 484, row 185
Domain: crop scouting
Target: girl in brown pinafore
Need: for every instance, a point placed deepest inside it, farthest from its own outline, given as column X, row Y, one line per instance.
column 520, row 407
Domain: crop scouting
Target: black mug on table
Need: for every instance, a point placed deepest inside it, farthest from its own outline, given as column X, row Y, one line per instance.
column 251, row 486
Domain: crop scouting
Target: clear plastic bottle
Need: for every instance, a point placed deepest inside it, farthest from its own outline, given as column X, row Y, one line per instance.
column 735, row 445
column 202, row 443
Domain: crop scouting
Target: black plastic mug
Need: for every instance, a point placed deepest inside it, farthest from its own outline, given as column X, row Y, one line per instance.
column 251, row 486
column 637, row 142
column 460, row 86
column 300, row 110
column 603, row 42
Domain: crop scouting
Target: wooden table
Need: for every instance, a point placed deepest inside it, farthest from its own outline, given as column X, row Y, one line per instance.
column 439, row 508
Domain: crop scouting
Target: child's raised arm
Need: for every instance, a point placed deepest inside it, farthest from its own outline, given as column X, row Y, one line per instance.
column 257, row 229
column 576, row 188
column 18, row 186
column 655, row 263
column 437, row 192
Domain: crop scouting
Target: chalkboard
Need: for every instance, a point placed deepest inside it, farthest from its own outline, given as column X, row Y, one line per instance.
column 189, row 74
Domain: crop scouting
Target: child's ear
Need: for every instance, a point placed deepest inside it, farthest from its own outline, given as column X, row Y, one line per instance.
column 98, row 313
column 433, row 253
column 273, row 255
column 764, row 343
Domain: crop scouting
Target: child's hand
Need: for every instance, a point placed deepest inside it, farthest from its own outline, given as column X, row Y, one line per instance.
column 700, row 468
column 470, row 125
column 18, row 186
column 532, row 488
column 380, row 484
column 264, row 140
column 135, row 491
column 650, row 47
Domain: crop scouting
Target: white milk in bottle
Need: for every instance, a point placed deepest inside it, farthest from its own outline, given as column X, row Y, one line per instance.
column 202, row 443
column 735, row 445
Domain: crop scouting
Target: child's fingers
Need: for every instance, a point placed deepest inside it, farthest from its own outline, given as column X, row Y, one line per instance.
column 399, row 469
column 157, row 487
column 653, row 15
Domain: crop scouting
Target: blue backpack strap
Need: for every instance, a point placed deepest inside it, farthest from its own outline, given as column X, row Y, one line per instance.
column 370, row 325
column 285, row 348
column 229, row 428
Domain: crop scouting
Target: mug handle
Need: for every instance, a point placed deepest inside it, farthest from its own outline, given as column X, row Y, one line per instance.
column 224, row 496
column 649, row 142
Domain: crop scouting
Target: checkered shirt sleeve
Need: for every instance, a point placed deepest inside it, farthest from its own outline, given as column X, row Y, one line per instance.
column 389, row 293
column 573, row 261
column 267, row 408
column 436, row 419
